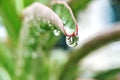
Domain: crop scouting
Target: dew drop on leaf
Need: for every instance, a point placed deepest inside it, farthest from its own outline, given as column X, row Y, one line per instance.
column 56, row 32
column 72, row 41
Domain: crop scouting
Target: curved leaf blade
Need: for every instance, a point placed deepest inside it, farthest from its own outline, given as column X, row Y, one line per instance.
column 63, row 10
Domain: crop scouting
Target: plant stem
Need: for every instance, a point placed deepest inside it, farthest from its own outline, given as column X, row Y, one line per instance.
column 94, row 43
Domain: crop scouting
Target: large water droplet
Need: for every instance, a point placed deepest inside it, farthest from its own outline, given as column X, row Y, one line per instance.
column 56, row 32
column 72, row 41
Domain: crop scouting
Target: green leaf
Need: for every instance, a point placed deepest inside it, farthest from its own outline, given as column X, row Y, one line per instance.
column 19, row 6
column 38, row 26
column 36, row 38
column 11, row 20
column 78, row 5
column 6, row 58
column 45, row 2
column 4, row 74
column 107, row 74
column 70, row 73
column 62, row 9
column 28, row 2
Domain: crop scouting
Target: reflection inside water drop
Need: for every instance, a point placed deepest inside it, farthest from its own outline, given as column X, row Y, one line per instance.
column 72, row 41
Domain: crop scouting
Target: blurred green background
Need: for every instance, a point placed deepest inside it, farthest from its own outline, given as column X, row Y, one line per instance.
column 37, row 54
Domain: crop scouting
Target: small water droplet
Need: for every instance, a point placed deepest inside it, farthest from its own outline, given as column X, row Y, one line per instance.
column 72, row 41
column 56, row 32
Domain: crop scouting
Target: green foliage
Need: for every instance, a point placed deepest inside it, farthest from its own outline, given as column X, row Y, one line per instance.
column 78, row 5
column 12, row 21
column 27, row 53
column 111, row 74
column 62, row 9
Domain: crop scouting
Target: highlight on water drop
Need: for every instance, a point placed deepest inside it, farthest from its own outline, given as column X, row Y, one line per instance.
column 56, row 32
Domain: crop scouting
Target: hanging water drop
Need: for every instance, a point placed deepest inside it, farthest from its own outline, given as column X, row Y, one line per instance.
column 56, row 32
column 72, row 41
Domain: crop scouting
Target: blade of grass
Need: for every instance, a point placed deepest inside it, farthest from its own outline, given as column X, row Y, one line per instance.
column 6, row 59
column 11, row 20
column 107, row 74
column 19, row 6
